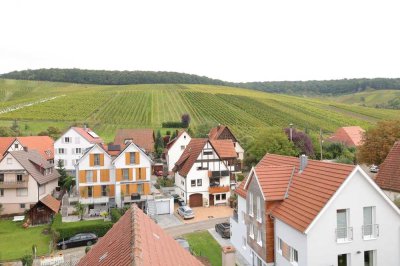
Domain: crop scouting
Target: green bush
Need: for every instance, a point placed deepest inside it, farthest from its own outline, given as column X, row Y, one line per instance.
column 67, row 230
column 172, row 124
column 240, row 177
column 115, row 215
column 27, row 260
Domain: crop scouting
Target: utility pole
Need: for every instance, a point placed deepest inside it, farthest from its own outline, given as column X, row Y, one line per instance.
column 320, row 140
column 291, row 131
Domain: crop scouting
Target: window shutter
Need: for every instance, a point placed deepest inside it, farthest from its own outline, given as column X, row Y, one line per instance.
column 127, row 158
column 137, row 157
column 133, row 188
column 137, row 174
column 112, row 190
column 147, row 188
column 96, row 191
column 143, row 173
column 102, row 159
column 91, row 159
column 94, row 176
column 83, row 192
column 82, row 176
column 130, row 173
column 119, row 174
column 123, row 190
column 104, row 175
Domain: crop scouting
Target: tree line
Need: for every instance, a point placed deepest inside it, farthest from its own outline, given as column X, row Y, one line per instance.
column 104, row 77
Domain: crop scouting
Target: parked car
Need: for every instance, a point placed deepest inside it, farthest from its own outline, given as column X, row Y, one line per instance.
column 224, row 229
column 186, row 212
column 176, row 197
column 181, row 202
column 183, row 242
column 374, row 168
column 84, row 239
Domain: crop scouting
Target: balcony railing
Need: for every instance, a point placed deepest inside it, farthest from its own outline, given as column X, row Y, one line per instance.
column 344, row 234
column 370, row 231
column 218, row 189
column 94, row 200
column 14, row 184
column 212, row 174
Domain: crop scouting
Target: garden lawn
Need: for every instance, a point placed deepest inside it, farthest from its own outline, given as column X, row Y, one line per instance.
column 204, row 245
column 16, row 242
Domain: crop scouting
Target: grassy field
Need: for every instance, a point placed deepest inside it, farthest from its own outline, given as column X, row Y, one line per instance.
column 368, row 98
column 107, row 108
column 15, row 241
column 204, row 245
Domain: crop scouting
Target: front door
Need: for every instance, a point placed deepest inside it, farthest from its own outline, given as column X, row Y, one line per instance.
column 342, row 260
column 211, row 197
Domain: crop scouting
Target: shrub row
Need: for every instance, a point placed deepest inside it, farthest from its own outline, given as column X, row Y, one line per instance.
column 172, row 124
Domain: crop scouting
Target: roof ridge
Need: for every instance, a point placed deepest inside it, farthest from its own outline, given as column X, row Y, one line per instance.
column 136, row 241
column 290, row 182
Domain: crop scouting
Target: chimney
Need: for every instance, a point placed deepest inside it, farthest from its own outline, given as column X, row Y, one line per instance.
column 25, row 148
column 228, row 256
column 303, row 162
column 84, row 127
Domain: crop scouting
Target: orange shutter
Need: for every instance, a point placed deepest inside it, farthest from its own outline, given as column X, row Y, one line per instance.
column 127, row 158
column 146, row 188
column 91, row 159
column 133, row 188
column 94, row 176
column 102, row 159
column 112, row 191
column 83, row 192
column 130, row 173
column 123, row 190
column 143, row 173
column 137, row 174
column 82, row 176
column 96, row 191
column 119, row 174
column 137, row 157
column 104, row 175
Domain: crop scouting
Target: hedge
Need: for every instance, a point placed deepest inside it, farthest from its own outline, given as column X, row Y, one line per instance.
column 172, row 124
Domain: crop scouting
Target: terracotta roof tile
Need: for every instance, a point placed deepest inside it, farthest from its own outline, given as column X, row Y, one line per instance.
column 189, row 156
column 51, row 202
column 5, row 143
column 42, row 144
column 142, row 137
column 388, row 177
column 215, row 132
column 350, row 136
column 240, row 190
column 225, row 148
column 85, row 133
column 136, row 240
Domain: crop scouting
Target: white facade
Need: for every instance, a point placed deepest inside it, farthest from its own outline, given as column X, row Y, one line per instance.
column 70, row 147
column 239, row 150
column 176, row 150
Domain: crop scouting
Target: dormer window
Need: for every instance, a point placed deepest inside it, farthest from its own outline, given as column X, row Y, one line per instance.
column 67, row 140
column 16, row 146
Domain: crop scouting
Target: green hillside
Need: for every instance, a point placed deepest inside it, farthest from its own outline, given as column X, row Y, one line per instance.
column 370, row 98
column 108, row 107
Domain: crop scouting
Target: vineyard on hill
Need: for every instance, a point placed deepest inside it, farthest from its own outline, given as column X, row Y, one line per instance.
column 106, row 108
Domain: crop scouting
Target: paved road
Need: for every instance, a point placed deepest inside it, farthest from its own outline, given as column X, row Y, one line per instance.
column 179, row 230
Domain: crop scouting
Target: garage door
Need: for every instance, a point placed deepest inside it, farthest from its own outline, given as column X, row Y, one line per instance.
column 163, row 207
column 196, row 200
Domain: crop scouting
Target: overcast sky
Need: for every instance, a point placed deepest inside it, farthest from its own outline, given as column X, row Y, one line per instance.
column 230, row 40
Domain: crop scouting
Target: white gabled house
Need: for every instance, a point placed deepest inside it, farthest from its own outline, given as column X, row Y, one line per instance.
column 294, row 211
column 222, row 132
column 175, row 148
column 72, row 144
column 202, row 175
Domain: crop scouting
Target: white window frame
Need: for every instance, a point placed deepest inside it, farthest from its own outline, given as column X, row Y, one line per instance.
column 78, row 150
column 259, row 209
column 259, row 238
column 67, row 138
column 89, row 176
column 96, row 159
column 251, row 229
column 251, row 204
column 61, row 149
column 244, row 243
column 370, row 227
column 292, row 257
column 279, row 246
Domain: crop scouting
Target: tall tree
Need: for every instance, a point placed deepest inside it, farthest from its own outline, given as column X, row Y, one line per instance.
column 378, row 141
column 185, row 119
column 159, row 144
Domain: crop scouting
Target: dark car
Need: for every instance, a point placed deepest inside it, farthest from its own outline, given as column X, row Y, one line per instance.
column 181, row 202
column 85, row 239
column 224, row 229
column 176, row 197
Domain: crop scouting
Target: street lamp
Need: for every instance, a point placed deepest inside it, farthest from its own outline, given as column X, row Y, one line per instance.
column 291, row 131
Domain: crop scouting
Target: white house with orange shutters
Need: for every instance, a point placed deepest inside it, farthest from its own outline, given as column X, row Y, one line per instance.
column 103, row 180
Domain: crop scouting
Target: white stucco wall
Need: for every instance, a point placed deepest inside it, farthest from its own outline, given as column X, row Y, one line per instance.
column 77, row 141
column 175, row 152
column 322, row 248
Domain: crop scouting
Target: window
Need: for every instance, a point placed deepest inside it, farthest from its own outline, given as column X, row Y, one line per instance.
column 370, row 258
column 259, row 208
column 199, row 182
column 22, row 192
column 370, row 229
column 96, row 159
column 61, row 151
column 259, row 240
column 1, row 177
column 1, row 192
column 218, row 197
column 280, row 245
column 22, row 205
column 125, row 174
column 251, row 204
column 193, row 183
column 244, row 242
column 42, row 190
column 9, row 160
column 19, row 178
column 104, row 191
column 223, row 196
column 343, row 260
column 251, row 228
column 294, row 255
column 182, row 147
column 78, row 150
column 140, row 188
column 90, row 192
column 132, row 158
column 89, row 176
column 207, row 153
column 67, row 139
column 343, row 231
column 182, row 182
column 16, row 145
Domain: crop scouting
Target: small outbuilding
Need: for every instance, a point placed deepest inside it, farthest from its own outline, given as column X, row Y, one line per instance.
column 42, row 212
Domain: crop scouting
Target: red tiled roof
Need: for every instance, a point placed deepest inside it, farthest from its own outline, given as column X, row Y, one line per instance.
column 51, row 202
column 216, row 132
column 388, row 177
column 44, row 145
column 189, row 156
column 350, row 136
column 224, row 148
column 85, row 133
column 136, row 240
column 142, row 137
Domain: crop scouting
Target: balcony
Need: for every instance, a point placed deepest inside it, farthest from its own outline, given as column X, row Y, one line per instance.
column 344, row 234
column 97, row 200
column 370, row 231
column 14, row 184
column 135, row 197
column 218, row 189
column 213, row 174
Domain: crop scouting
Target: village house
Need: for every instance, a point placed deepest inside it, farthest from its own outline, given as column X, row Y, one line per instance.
column 142, row 137
column 44, row 145
column 295, row 211
column 222, row 132
column 70, row 147
column 203, row 173
column 137, row 240
column 25, row 178
column 121, row 179
column 388, row 177
column 175, row 148
column 348, row 136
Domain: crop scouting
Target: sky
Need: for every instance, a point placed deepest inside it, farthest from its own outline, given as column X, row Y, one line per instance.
column 237, row 41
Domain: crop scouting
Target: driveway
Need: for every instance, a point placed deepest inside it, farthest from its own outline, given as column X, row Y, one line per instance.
column 168, row 220
column 183, row 229
column 206, row 213
column 223, row 242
